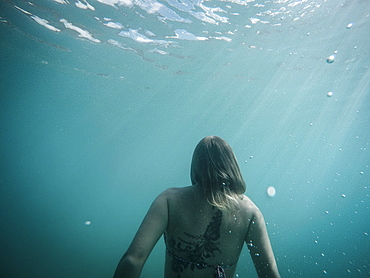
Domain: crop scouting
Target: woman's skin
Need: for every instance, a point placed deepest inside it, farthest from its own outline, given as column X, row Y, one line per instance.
column 192, row 226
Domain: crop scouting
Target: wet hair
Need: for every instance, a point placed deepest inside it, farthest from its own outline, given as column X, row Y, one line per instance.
column 214, row 168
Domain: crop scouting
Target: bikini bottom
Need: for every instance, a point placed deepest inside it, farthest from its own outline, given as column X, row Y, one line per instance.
column 219, row 270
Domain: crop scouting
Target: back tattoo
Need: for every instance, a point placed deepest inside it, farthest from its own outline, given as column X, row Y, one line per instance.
column 195, row 249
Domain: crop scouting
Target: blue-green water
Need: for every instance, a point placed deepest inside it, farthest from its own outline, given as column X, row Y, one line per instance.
column 96, row 121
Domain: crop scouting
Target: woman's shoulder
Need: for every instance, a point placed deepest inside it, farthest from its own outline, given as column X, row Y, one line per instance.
column 176, row 192
column 248, row 205
column 188, row 198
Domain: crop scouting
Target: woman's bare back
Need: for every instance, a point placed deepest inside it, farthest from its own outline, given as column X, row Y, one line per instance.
column 200, row 237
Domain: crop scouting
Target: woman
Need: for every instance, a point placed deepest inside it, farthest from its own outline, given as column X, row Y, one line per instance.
column 204, row 225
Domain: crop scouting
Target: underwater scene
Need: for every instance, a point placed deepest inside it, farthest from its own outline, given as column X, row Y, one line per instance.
column 103, row 102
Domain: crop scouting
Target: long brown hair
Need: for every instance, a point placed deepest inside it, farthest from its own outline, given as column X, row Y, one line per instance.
column 214, row 167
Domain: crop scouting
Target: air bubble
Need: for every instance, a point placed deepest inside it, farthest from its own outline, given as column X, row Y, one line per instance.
column 271, row 191
column 330, row 59
column 87, row 223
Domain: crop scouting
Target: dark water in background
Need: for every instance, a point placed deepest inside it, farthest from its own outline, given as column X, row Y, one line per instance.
column 94, row 127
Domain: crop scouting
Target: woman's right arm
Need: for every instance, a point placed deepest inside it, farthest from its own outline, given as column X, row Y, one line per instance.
column 260, row 248
column 151, row 229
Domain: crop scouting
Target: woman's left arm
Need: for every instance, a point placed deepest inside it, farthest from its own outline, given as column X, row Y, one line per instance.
column 151, row 229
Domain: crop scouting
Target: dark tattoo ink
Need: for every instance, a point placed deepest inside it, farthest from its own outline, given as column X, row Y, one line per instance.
column 195, row 249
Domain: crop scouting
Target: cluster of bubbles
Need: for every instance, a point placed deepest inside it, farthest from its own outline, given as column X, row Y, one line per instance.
column 331, row 58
